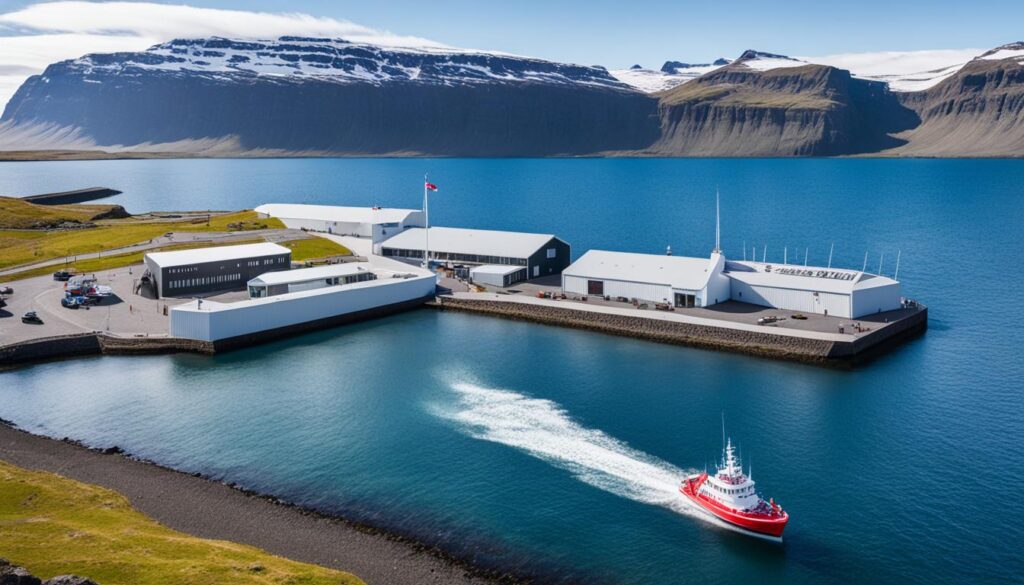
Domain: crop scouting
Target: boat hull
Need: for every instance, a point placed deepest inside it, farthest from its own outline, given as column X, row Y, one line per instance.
column 758, row 524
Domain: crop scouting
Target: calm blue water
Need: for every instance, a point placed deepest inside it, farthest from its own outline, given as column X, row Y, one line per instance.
column 558, row 451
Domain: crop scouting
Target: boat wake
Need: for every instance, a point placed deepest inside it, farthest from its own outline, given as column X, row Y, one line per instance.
column 545, row 430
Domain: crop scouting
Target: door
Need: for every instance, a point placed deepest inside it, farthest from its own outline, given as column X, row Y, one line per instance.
column 595, row 287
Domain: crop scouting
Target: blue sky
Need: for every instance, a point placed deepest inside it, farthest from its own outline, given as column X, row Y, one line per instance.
column 618, row 34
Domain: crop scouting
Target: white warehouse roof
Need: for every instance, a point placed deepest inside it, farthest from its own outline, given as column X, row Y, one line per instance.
column 314, row 273
column 370, row 215
column 676, row 271
column 467, row 241
column 814, row 278
column 215, row 254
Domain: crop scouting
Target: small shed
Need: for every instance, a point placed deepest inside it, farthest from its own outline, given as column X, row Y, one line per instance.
column 498, row 275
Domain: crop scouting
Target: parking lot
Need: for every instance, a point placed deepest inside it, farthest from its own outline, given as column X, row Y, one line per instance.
column 125, row 313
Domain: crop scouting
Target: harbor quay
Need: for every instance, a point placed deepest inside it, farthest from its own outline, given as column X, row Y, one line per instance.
column 214, row 299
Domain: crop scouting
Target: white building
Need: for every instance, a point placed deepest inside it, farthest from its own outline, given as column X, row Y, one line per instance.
column 699, row 282
column 541, row 254
column 376, row 223
column 327, row 305
column 497, row 275
column 279, row 283
column 827, row 291
column 680, row 281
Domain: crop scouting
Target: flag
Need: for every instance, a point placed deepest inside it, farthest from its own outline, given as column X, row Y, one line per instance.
column 430, row 186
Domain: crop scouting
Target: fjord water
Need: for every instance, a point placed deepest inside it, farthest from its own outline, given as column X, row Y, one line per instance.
column 556, row 451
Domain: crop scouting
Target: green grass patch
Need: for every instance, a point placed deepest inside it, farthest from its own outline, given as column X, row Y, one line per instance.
column 118, row 233
column 16, row 213
column 315, row 249
column 52, row 525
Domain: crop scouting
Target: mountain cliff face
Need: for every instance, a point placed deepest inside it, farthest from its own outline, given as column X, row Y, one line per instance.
column 979, row 111
column 328, row 96
column 324, row 95
column 769, row 105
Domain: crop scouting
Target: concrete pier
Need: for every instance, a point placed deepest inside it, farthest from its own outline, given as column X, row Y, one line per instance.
column 804, row 345
column 76, row 196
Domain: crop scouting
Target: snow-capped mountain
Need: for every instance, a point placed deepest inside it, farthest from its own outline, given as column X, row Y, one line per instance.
column 330, row 96
column 299, row 94
column 671, row 74
column 337, row 60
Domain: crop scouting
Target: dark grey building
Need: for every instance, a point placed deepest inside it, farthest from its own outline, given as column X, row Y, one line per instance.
column 188, row 273
column 541, row 254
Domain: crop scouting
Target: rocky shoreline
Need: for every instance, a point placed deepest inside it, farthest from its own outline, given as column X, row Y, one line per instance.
column 207, row 508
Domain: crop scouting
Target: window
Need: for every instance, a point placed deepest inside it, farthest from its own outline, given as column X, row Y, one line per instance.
column 552, row 252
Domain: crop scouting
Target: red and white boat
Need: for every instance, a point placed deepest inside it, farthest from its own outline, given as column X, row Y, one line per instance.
column 729, row 495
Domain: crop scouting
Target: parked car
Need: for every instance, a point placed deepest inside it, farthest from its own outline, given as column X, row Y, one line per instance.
column 32, row 318
column 6, row 290
column 62, row 275
column 769, row 320
column 72, row 302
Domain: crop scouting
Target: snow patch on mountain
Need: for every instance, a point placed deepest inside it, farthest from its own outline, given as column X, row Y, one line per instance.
column 1010, row 51
column 766, row 61
column 338, row 60
column 672, row 73
column 902, row 70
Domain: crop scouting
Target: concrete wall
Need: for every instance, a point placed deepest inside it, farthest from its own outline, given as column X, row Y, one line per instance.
column 766, row 343
column 876, row 300
column 655, row 293
column 785, row 299
column 224, row 321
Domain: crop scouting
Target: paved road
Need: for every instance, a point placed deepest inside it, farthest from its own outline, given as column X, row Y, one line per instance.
column 175, row 238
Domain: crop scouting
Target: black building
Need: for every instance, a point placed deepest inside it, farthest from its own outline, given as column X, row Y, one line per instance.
column 188, row 273
column 541, row 254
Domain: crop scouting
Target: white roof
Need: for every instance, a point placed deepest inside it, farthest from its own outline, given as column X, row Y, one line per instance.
column 499, row 269
column 215, row 254
column 371, row 215
column 675, row 271
column 467, row 241
column 315, row 273
column 811, row 278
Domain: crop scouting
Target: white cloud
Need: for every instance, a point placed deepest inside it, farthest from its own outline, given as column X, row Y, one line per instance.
column 44, row 33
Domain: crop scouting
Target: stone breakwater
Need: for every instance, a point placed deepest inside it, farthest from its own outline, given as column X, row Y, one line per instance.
column 94, row 343
column 725, row 338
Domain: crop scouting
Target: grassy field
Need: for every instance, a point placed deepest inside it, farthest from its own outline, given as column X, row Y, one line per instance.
column 52, row 525
column 315, row 248
column 22, row 248
column 18, row 214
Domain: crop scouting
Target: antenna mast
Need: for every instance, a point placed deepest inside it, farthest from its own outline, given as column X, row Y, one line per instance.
column 723, row 430
column 805, row 257
column 718, row 229
column 864, row 269
column 830, row 250
column 880, row 259
column 896, row 276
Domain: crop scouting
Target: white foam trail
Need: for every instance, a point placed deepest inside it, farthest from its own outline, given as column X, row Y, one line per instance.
column 544, row 430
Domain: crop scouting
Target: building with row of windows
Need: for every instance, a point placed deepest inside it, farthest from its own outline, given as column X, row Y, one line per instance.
column 186, row 273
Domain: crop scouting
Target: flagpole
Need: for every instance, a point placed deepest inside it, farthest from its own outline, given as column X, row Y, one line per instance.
column 426, row 234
